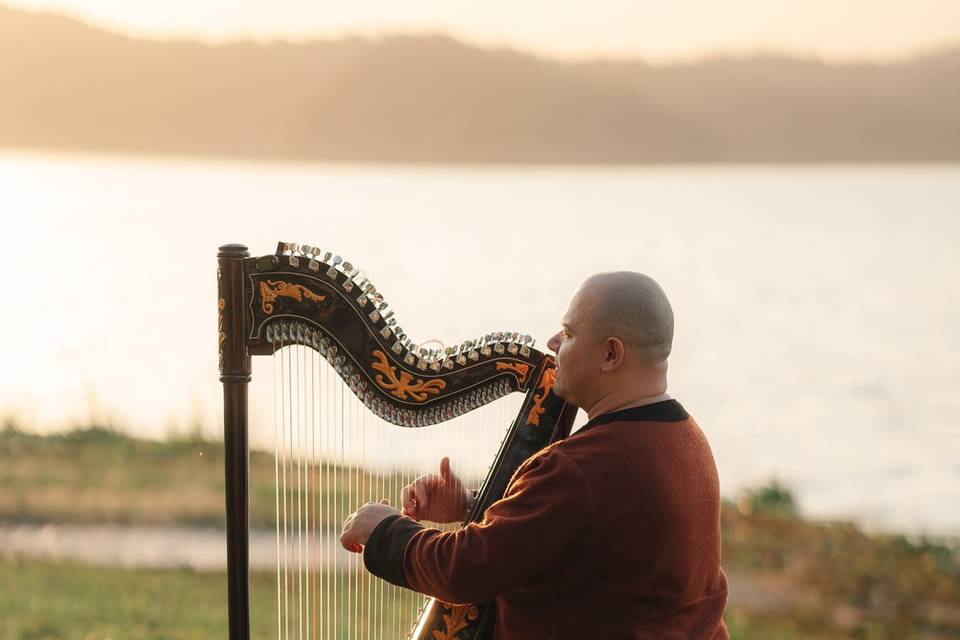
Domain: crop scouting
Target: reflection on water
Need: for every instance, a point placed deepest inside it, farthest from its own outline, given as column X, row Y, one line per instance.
column 132, row 547
column 816, row 316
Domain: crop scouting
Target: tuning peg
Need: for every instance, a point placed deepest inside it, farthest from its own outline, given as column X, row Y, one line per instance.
column 375, row 314
column 332, row 271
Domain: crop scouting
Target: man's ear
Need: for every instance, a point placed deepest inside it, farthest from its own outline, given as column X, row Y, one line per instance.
column 614, row 352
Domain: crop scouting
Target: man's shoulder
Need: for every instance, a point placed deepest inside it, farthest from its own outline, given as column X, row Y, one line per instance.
column 554, row 460
column 552, row 455
column 625, row 440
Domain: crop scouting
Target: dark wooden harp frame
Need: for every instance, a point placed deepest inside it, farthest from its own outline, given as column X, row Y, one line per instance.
column 300, row 295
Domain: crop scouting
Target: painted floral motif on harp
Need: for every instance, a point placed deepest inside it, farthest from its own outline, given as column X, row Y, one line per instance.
column 520, row 368
column 404, row 385
column 273, row 289
column 456, row 620
column 546, row 384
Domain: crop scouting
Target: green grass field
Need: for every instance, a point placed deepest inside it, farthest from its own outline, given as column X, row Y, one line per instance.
column 103, row 477
column 42, row 601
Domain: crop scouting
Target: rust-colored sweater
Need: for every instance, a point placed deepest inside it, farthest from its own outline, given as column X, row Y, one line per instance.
column 613, row 532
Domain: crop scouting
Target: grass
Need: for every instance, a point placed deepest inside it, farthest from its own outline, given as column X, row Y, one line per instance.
column 43, row 601
column 870, row 587
column 97, row 475
column 47, row 601
column 54, row 601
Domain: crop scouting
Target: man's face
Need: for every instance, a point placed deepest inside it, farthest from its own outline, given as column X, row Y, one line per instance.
column 576, row 351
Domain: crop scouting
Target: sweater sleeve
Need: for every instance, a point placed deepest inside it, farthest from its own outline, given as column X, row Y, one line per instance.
column 545, row 511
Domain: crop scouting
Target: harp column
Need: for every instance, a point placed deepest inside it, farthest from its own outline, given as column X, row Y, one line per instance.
column 235, row 376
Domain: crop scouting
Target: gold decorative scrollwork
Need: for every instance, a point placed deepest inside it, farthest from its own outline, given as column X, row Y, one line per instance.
column 455, row 621
column 221, row 334
column 545, row 384
column 272, row 289
column 521, row 369
column 405, row 384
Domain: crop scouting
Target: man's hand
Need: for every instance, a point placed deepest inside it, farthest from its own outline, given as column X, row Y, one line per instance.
column 438, row 498
column 360, row 524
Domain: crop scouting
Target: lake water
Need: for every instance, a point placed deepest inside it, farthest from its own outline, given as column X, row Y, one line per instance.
column 818, row 320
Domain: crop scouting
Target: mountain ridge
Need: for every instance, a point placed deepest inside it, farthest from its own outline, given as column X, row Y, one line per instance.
column 428, row 98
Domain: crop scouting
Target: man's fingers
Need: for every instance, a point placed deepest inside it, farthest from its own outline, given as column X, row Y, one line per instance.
column 385, row 501
column 352, row 547
column 345, row 540
column 420, row 495
column 445, row 469
column 409, row 502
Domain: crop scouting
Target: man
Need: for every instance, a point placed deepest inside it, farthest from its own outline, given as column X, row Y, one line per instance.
column 613, row 532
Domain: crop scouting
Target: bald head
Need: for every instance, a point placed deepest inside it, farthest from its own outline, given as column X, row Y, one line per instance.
column 632, row 307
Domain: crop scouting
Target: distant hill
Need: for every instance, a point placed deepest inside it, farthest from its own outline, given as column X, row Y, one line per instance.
column 66, row 85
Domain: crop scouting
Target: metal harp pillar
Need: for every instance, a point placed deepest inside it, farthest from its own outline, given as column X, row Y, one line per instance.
column 235, row 376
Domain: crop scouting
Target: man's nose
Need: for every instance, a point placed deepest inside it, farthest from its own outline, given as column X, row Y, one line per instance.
column 554, row 342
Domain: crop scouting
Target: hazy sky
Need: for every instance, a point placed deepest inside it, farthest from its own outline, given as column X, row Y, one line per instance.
column 837, row 29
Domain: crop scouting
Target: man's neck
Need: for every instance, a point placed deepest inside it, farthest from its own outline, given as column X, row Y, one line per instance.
column 611, row 403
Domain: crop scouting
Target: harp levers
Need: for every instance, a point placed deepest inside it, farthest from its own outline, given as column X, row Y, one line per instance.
column 360, row 410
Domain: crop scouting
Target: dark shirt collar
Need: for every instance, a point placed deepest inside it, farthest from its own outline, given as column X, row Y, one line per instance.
column 663, row 411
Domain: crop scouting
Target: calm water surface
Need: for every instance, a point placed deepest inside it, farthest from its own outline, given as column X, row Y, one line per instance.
column 818, row 323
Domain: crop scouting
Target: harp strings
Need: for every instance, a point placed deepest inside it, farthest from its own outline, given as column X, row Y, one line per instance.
column 277, row 423
column 333, row 455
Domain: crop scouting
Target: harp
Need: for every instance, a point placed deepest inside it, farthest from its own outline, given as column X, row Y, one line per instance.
column 353, row 390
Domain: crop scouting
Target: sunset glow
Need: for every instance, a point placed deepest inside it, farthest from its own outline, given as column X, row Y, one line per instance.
column 656, row 31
